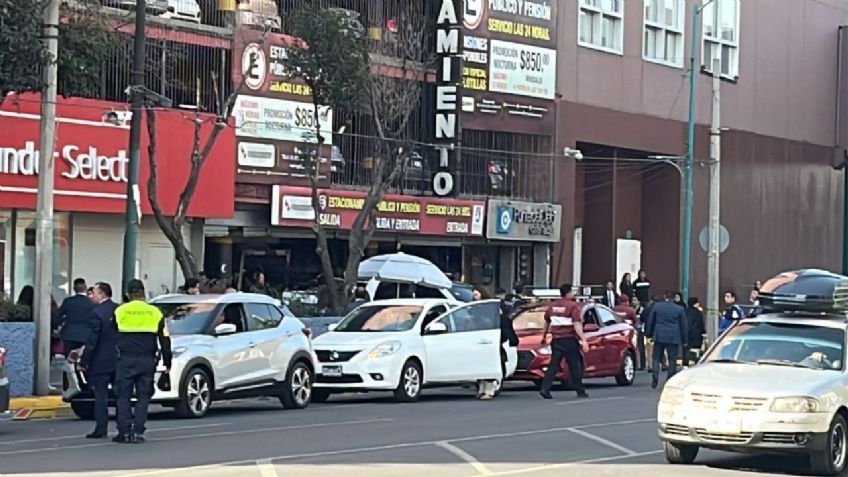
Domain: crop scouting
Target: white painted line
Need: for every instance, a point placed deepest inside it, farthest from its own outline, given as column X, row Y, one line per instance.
column 198, row 436
column 266, row 468
column 358, row 450
column 619, row 423
column 80, row 437
column 542, row 468
column 589, row 401
column 601, row 440
column 470, row 459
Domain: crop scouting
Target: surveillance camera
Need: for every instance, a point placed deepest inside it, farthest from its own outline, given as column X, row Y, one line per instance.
column 116, row 118
column 578, row 156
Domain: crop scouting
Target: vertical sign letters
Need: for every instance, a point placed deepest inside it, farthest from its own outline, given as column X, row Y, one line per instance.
column 448, row 77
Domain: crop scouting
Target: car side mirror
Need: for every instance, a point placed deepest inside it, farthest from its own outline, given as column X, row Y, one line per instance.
column 591, row 327
column 225, row 329
column 437, row 328
column 332, row 326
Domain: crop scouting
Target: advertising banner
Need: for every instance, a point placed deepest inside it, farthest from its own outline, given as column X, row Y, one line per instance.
column 292, row 207
column 524, row 221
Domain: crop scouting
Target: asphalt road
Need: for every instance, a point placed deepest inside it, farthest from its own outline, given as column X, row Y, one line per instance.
column 447, row 434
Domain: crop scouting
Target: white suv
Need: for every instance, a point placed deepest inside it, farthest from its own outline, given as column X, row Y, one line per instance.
column 225, row 347
column 404, row 345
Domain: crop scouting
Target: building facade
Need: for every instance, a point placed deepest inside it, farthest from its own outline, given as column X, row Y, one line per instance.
column 623, row 85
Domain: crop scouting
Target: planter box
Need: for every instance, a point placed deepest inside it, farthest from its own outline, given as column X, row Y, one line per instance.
column 19, row 341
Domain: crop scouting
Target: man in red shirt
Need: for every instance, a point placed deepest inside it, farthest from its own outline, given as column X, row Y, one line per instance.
column 626, row 312
column 564, row 320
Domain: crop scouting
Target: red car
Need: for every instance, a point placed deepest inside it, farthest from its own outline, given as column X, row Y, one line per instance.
column 612, row 346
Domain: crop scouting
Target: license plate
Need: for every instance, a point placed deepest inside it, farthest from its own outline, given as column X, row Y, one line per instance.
column 721, row 423
column 332, row 371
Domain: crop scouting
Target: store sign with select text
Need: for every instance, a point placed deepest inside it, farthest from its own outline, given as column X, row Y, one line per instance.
column 292, row 207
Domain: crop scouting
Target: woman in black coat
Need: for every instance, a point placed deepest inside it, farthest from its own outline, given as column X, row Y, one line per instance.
column 696, row 328
column 626, row 287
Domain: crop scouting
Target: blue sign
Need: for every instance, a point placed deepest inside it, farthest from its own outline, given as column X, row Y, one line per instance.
column 506, row 217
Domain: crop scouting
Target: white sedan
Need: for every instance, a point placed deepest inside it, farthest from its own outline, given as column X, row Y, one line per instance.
column 406, row 344
column 775, row 383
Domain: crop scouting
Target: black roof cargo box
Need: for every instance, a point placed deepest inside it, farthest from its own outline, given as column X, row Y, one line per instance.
column 805, row 290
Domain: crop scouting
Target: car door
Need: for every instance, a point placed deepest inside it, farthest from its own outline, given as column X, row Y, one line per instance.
column 470, row 349
column 266, row 338
column 232, row 351
column 593, row 357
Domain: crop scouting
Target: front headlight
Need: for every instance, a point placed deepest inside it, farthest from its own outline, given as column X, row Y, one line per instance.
column 176, row 352
column 384, row 349
column 801, row 404
column 672, row 396
column 544, row 350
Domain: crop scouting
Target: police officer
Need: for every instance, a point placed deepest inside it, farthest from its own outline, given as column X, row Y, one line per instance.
column 140, row 326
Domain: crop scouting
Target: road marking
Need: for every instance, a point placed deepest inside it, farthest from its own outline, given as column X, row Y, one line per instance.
column 357, row 450
column 589, row 401
column 79, row 437
column 209, row 434
column 470, row 459
column 619, row 423
column 603, row 441
column 599, row 460
column 266, row 468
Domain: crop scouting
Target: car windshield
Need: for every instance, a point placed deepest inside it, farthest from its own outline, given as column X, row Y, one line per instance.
column 782, row 344
column 187, row 318
column 381, row 318
column 533, row 319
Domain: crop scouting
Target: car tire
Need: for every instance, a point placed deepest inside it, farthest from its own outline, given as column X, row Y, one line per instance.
column 195, row 394
column 831, row 460
column 83, row 410
column 680, row 454
column 409, row 386
column 297, row 390
column 627, row 371
column 320, row 395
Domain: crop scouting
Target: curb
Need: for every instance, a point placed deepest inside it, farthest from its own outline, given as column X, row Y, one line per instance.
column 42, row 407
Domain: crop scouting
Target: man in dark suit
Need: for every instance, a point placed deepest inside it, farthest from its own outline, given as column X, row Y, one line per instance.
column 610, row 297
column 668, row 327
column 99, row 355
column 73, row 316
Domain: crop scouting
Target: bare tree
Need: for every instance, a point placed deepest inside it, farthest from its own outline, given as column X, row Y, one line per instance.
column 377, row 77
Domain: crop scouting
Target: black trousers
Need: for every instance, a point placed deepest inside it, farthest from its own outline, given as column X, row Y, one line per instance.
column 100, row 384
column 671, row 352
column 570, row 349
column 640, row 344
column 134, row 376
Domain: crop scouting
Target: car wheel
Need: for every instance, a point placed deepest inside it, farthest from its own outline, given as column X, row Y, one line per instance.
column 627, row 372
column 297, row 390
column 682, row 454
column 831, row 460
column 195, row 394
column 83, row 410
column 409, row 387
column 320, row 395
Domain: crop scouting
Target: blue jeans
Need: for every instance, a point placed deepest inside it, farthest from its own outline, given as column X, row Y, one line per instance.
column 672, row 351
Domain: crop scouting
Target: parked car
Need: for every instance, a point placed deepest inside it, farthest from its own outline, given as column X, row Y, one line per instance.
column 225, row 347
column 776, row 383
column 403, row 345
column 5, row 391
column 612, row 345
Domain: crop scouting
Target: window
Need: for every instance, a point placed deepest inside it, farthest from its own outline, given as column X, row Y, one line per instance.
column 663, row 41
column 262, row 317
column 378, row 318
column 233, row 315
column 434, row 313
column 601, row 25
column 721, row 37
column 476, row 317
column 608, row 318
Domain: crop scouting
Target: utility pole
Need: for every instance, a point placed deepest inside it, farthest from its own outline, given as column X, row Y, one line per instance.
column 714, row 251
column 44, row 202
column 133, row 195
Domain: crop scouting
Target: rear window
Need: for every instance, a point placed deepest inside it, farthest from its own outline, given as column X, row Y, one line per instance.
column 533, row 319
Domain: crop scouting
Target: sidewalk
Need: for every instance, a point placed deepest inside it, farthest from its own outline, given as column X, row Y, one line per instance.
column 43, row 407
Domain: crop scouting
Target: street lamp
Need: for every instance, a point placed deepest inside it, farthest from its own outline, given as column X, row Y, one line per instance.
column 686, row 249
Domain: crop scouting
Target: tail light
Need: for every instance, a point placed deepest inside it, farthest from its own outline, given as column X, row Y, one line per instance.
column 307, row 332
column 2, row 356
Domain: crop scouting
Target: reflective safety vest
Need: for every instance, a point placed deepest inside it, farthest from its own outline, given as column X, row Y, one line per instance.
column 138, row 317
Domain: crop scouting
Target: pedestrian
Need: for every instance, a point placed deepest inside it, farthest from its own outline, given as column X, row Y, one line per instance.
column 480, row 293
column 625, row 311
column 90, row 294
column 74, row 316
column 642, row 287
column 640, row 330
column 678, row 300
column 564, row 320
column 756, row 308
column 732, row 312
column 99, row 355
column 609, row 298
column 26, row 298
column 360, row 297
column 697, row 329
column 669, row 330
column 626, row 287
column 140, row 326
column 192, row 286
